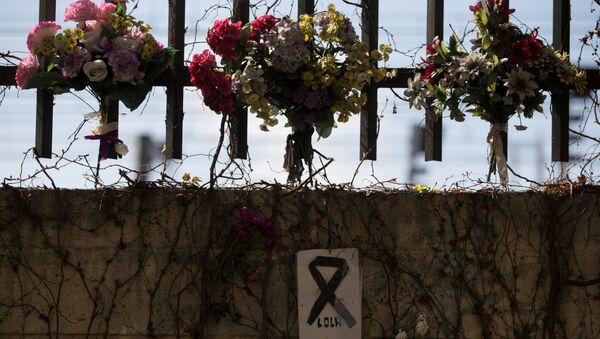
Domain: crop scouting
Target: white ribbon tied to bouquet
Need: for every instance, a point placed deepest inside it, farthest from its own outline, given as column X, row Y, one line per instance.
column 494, row 139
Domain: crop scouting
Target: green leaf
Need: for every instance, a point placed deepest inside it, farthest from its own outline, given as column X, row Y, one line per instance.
column 324, row 132
column 486, row 43
column 453, row 44
column 158, row 64
column 51, row 67
column 46, row 80
column 131, row 96
column 121, row 9
column 444, row 51
column 483, row 16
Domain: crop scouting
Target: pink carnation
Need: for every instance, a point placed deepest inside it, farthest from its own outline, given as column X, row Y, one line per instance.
column 42, row 32
column 81, row 10
column 224, row 36
column 74, row 61
column 124, row 64
column 105, row 10
column 26, row 69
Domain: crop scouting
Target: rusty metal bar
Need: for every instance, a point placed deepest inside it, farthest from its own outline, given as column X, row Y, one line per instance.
column 239, row 118
column 45, row 100
column 368, row 116
column 560, row 103
column 433, row 125
column 175, row 81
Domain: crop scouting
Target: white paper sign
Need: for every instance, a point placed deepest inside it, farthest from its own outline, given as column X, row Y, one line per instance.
column 329, row 294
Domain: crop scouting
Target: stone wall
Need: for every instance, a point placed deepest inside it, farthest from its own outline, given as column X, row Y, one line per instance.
column 150, row 262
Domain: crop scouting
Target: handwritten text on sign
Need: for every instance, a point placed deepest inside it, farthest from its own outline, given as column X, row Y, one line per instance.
column 329, row 294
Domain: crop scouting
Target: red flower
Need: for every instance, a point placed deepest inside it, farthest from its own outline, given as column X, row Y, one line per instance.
column 252, row 275
column 429, row 71
column 224, row 36
column 501, row 7
column 476, row 7
column 217, row 92
column 200, row 66
column 215, row 86
column 261, row 25
column 526, row 49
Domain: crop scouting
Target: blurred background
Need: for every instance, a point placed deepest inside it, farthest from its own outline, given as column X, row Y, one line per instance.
column 400, row 145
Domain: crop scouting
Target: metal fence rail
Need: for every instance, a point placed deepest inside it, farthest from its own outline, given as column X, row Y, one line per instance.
column 175, row 78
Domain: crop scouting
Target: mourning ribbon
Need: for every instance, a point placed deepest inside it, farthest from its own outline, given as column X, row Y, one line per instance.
column 494, row 139
column 328, row 288
column 111, row 137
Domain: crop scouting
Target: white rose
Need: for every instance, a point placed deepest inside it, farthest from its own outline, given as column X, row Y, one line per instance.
column 127, row 43
column 401, row 335
column 95, row 70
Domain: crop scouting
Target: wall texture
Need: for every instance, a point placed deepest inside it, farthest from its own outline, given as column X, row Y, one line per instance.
column 170, row 263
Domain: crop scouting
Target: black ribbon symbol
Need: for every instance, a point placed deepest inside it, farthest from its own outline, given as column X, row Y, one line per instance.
column 328, row 288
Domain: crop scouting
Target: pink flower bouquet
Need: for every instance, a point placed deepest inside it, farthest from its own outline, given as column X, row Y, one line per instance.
column 110, row 53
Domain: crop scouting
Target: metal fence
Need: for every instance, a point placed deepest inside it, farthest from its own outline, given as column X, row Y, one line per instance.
column 175, row 78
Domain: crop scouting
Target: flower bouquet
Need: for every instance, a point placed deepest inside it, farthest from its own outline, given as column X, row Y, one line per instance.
column 109, row 53
column 311, row 71
column 505, row 73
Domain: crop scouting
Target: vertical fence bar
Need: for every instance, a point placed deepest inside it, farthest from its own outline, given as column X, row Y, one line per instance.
column 45, row 100
column 433, row 126
column 368, row 116
column 239, row 118
column 560, row 103
column 306, row 7
column 112, row 115
column 174, row 118
column 505, row 134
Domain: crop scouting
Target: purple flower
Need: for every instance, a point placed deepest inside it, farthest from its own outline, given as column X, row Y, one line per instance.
column 252, row 275
column 246, row 214
column 74, row 62
column 299, row 95
column 241, row 233
column 269, row 243
column 124, row 64
column 317, row 100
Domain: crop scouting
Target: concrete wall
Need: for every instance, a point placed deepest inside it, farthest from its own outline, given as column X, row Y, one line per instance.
column 142, row 263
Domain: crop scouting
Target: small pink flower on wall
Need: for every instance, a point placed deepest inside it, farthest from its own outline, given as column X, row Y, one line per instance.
column 252, row 275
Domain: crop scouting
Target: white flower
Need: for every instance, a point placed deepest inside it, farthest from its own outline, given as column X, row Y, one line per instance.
column 416, row 93
column 95, row 70
column 421, row 328
column 401, row 335
column 93, row 35
column 121, row 149
column 521, row 83
column 126, row 42
column 470, row 66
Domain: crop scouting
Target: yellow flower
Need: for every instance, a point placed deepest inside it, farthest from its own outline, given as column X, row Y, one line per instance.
column 186, row 176
column 580, row 82
column 375, row 54
column 308, row 76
